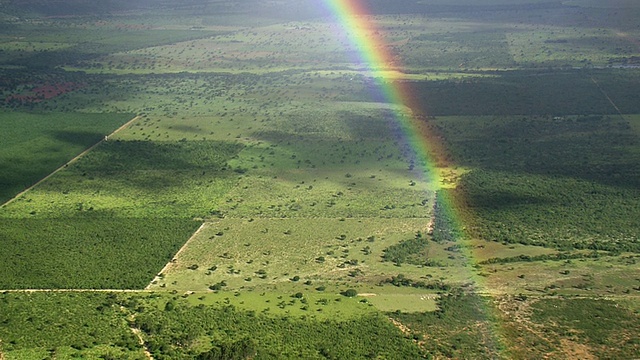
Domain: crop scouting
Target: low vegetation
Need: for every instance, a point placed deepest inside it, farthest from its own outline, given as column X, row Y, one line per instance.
column 460, row 328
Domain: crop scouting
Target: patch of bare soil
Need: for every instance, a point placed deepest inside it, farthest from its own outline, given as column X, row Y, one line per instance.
column 138, row 333
column 574, row 350
column 405, row 330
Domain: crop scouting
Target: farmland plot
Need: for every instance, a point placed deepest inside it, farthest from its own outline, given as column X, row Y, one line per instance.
column 35, row 144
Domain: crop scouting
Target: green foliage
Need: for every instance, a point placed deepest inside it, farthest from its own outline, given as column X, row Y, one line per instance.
column 554, row 212
column 412, row 251
column 446, row 222
column 349, row 293
column 461, row 328
column 576, row 147
column 56, row 322
column 86, row 44
column 535, row 93
column 191, row 332
column 316, row 146
column 544, row 257
column 100, row 252
column 556, row 182
column 238, row 349
column 124, row 157
column 122, row 215
column 401, row 280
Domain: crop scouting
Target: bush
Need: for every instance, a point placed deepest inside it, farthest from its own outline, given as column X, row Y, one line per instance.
column 349, row 293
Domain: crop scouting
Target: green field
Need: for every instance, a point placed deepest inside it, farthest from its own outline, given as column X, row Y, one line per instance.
column 35, row 144
column 268, row 201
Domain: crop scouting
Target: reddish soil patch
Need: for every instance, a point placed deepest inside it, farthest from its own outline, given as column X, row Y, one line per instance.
column 45, row 92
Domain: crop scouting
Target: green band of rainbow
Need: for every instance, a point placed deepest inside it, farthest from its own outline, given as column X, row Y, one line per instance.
column 358, row 26
column 380, row 62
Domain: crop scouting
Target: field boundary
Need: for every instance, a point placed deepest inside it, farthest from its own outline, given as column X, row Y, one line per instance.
column 166, row 266
column 608, row 98
column 76, row 158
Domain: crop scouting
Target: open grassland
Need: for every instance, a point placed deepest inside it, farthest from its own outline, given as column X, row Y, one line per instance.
column 260, row 253
column 328, row 179
column 35, row 144
column 604, row 274
column 50, row 43
column 506, row 40
column 135, row 179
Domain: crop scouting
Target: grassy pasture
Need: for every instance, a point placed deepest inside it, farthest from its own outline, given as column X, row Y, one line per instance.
column 483, row 250
column 409, row 303
column 82, row 44
column 569, row 47
column 328, row 179
column 261, row 252
column 35, row 144
column 313, row 305
column 319, row 44
column 283, row 47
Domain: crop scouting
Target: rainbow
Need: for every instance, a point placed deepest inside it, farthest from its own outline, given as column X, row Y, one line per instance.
column 380, row 63
column 356, row 23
